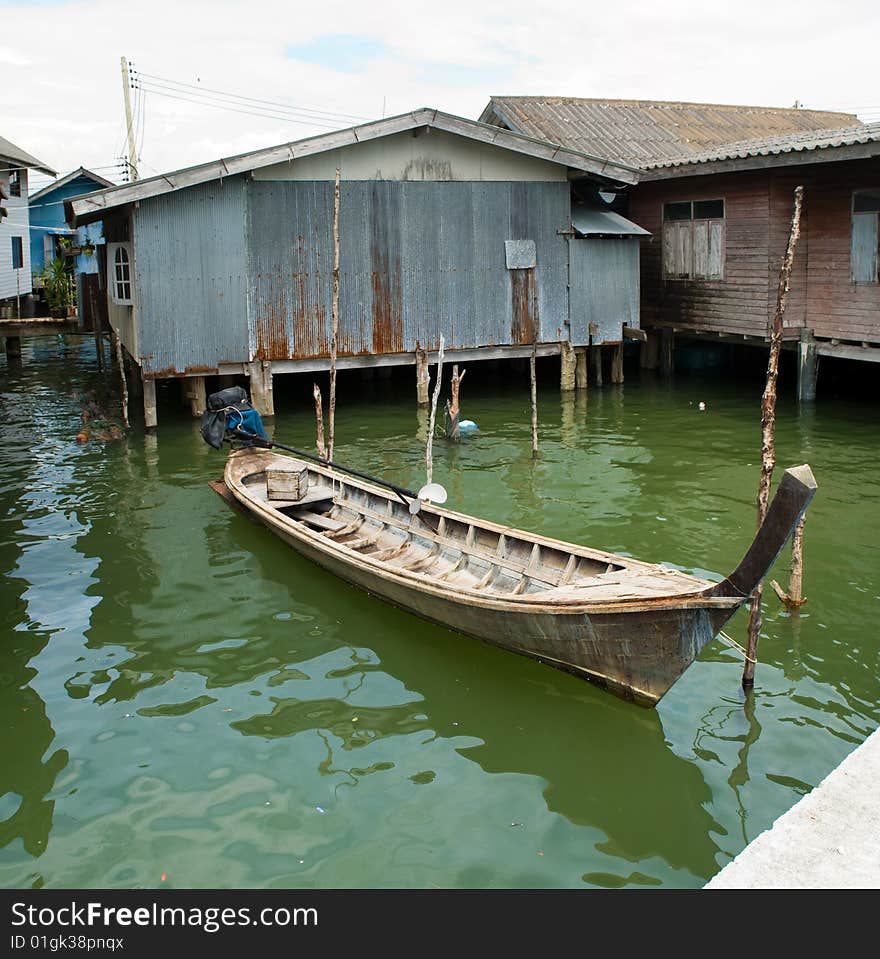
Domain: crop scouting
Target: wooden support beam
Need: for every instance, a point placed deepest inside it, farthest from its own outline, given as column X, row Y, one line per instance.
column 808, row 367
column 423, row 378
column 149, row 392
column 262, row 396
column 581, row 371
column 568, row 362
column 596, row 356
column 197, row 397
column 617, row 364
column 667, row 351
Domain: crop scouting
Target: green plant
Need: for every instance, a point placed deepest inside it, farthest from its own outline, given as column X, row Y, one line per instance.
column 56, row 277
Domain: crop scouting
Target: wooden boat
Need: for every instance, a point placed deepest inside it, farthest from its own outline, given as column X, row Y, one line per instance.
column 630, row 626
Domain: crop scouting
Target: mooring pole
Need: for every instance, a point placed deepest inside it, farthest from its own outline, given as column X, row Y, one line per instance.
column 334, row 330
column 429, row 448
column 533, row 380
column 768, row 424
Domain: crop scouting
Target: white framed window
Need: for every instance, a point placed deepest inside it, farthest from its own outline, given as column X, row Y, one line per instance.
column 693, row 240
column 865, row 247
column 119, row 276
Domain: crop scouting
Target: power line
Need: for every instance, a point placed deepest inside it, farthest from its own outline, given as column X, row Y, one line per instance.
column 286, row 105
column 251, row 113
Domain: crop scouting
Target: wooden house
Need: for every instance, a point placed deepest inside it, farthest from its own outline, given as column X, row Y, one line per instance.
column 15, row 244
column 446, row 226
column 715, row 191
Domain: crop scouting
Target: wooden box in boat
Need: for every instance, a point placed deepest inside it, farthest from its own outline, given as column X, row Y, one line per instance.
column 631, row 626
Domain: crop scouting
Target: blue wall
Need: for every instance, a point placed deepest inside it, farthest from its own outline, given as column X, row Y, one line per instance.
column 48, row 211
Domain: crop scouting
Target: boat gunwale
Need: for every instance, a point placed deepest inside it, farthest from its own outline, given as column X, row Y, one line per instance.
column 537, row 602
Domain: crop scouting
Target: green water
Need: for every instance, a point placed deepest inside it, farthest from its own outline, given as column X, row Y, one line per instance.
column 182, row 694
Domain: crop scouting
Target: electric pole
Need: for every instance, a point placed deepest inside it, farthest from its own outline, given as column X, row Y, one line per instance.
column 132, row 153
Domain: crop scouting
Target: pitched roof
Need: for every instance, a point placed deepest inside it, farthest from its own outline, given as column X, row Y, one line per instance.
column 862, row 133
column 99, row 181
column 10, row 151
column 91, row 206
column 644, row 133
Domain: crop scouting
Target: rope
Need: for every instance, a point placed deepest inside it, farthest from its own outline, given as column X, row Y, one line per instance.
column 735, row 645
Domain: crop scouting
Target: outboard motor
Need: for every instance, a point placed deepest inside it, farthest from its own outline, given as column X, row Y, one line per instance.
column 230, row 409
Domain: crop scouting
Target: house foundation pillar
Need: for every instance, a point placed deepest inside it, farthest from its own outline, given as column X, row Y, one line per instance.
column 667, row 350
column 422, row 377
column 13, row 346
column 567, row 367
column 581, row 375
column 151, row 421
column 617, row 364
column 262, row 398
column 596, row 357
column 808, row 367
column 649, row 354
column 197, row 398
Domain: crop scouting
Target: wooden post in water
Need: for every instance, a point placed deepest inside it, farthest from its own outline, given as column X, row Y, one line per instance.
column 617, row 364
column 423, row 378
column 768, row 423
column 120, row 362
column 794, row 598
column 429, row 448
column 319, row 416
column 596, row 355
column 533, row 378
column 581, row 375
column 453, row 407
column 334, row 329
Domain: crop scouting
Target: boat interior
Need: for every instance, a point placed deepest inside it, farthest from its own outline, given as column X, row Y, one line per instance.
column 462, row 552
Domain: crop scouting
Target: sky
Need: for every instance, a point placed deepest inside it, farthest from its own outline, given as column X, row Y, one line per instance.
column 311, row 67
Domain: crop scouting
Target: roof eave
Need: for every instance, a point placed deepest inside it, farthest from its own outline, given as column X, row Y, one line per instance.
column 90, row 207
column 802, row 157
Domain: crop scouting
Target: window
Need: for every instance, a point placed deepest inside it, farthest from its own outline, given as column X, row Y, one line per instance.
column 865, row 249
column 693, row 240
column 119, row 270
column 15, row 183
column 17, row 253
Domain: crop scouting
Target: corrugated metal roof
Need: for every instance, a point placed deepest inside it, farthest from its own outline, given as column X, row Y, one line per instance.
column 92, row 206
column 645, row 133
column 11, row 152
column 589, row 221
column 100, row 182
column 771, row 146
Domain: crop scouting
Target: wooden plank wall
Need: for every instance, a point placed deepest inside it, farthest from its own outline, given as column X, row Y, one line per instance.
column 758, row 216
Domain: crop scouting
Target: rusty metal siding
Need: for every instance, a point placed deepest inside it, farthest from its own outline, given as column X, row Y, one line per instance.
column 416, row 259
column 190, row 279
column 604, row 278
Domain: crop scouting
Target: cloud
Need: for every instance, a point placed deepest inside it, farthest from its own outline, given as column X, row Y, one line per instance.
column 406, row 55
column 346, row 53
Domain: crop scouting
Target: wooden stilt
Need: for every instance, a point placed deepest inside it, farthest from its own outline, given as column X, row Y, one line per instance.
column 649, row 355
column 423, row 377
column 667, row 351
column 149, row 389
column 581, row 374
column 13, row 346
column 568, row 364
column 617, row 364
column 596, row 356
column 262, row 393
column 808, row 361
column 768, row 423
column 197, row 395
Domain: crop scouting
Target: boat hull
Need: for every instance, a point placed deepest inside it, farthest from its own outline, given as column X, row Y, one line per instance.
column 636, row 650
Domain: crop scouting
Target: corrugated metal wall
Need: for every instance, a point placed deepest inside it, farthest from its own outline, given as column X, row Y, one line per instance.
column 416, row 259
column 190, row 275
column 604, row 278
